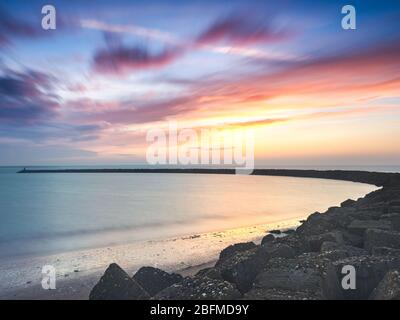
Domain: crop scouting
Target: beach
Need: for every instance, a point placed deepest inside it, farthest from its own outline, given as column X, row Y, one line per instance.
column 78, row 271
column 200, row 256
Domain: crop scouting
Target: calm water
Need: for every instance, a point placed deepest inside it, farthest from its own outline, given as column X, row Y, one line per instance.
column 53, row 213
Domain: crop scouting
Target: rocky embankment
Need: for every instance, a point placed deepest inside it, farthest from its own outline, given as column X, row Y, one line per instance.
column 305, row 264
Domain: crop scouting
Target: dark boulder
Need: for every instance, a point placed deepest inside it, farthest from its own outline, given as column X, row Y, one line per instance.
column 388, row 288
column 393, row 209
column 238, row 247
column 347, row 203
column 241, row 268
column 317, row 223
column 384, row 251
column 293, row 279
column 115, row 284
column 316, row 241
column 334, row 251
column 394, row 219
column 381, row 238
column 302, row 279
column 154, row 280
column 394, row 203
column 359, row 226
column 353, row 239
column 212, row 273
column 199, row 288
column 330, row 246
column 369, row 271
column 369, row 213
column 268, row 238
column 296, row 242
column 278, row 250
column 348, row 251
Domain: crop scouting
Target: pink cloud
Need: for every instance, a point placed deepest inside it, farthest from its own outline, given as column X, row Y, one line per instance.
column 346, row 77
column 240, row 31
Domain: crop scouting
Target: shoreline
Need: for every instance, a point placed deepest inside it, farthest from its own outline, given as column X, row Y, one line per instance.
column 385, row 180
column 78, row 271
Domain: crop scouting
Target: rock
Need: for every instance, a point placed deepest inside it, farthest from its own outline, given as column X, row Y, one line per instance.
column 332, row 209
column 241, row 268
column 335, row 255
column 275, row 231
column 154, row 280
column 330, row 246
column 334, row 251
column 394, row 209
column 359, row 226
column 115, row 284
column 317, row 223
column 388, row 288
column 288, row 279
column 296, row 242
column 268, row 238
column 231, row 250
column 289, row 231
column 369, row 271
column 394, row 219
column 368, row 213
column 212, row 273
column 278, row 250
column 384, row 251
column 349, row 250
column 347, row 203
column 199, row 288
column 352, row 239
column 381, row 238
column 316, row 241
column 294, row 279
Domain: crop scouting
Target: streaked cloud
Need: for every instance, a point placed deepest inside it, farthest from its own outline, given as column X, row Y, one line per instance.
column 269, row 66
column 23, row 97
column 235, row 32
column 11, row 27
column 123, row 59
column 240, row 30
column 130, row 29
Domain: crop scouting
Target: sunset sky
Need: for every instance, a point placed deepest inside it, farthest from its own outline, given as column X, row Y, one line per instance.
column 87, row 92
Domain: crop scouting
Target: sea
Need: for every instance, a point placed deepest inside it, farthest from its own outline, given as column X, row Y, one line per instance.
column 51, row 213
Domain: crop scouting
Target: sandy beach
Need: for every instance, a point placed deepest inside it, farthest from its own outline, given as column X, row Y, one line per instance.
column 78, row 271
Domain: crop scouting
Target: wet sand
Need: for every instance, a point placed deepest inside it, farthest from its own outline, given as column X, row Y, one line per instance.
column 77, row 272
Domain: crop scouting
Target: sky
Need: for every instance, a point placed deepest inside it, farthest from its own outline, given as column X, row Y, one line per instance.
column 89, row 91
